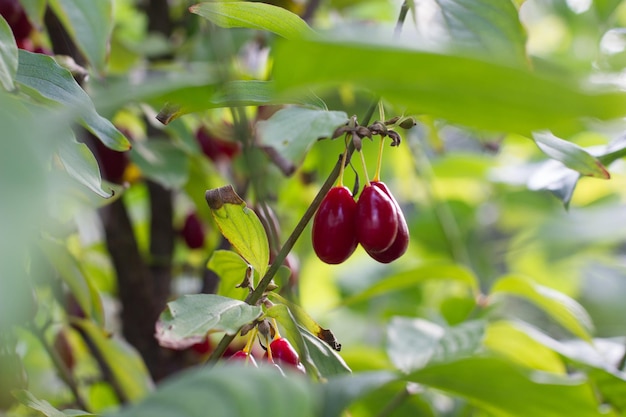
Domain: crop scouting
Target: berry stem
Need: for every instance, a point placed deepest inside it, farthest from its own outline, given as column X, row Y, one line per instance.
column 379, row 163
column 343, row 165
column 276, row 332
column 248, row 347
column 367, row 180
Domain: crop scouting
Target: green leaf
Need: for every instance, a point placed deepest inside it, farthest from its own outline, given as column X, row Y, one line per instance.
column 35, row 9
column 503, row 389
column 122, row 359
column 40, row 75
column 326, row 360
column 292, row 131
column 81, row 164
column 571, row 155
column 416, row 276
column 240, row 225
column 281, row 313
column 342, row 390
column 69, row 269
column 260, row 16
column 188, row 319
column 8, row 56
column 230, row 390
column 257, row 93
column 162, row 161
column 489, row 27
column 468, row 90
column 231, row 269
column 44, row 407
column 414, row 343
column 89, row 23
column 556, row 178
column 557, row 305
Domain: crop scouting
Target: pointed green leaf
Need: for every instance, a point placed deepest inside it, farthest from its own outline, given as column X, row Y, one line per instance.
column 340, row 391
column 40, row 75
column 69, row 269
column 81, row 164
column 559, row 306
column 257, row 93
column 229, row 390
column 327, row 361
column 8, row 56
column 44, row 407
column 570, row 155
column 89, row 23
column 473, row 91
column 122, row 359
column 188, row 319
column 484, row 26
column 231, row 268
column 503, row 389
column 414, row 343
column 240, row 226
column 415, row 277
column 260, row 16
column 162, row 161
column 292, row 131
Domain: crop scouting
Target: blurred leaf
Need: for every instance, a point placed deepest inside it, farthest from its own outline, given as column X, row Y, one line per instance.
column 326, row 360
column 556, row 178
column 35, row 10
column 69, row 269
column 503, row 389
column 260, row 16
column 462, row 89
column 565, row 310
column 231, row 269
column 414, row 343
column 510, row 340
column 571, row 155
column 81, row 164
column 257, row 93
column 416, row 276
column 605, row 8
column 406, row 399
column 241, row 226
column 162, row 161
column 40, row 75
column 44, row 407
column 342, row 390
column 229, row 390
column 490, row 27
column 8, row 56
column 122, row 359
column 188, row 319
column 89, row 23
column 292, row 131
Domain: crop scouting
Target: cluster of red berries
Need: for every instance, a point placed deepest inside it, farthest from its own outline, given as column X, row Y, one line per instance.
column 375, row 222
column 280, row 353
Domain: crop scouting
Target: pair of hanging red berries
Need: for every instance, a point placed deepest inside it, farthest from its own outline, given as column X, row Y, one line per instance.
column 375, row 221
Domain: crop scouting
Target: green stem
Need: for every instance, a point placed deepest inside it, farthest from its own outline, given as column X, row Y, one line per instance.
column 394, row 403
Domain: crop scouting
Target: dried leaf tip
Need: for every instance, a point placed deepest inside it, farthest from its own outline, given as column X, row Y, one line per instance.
column 217, row 197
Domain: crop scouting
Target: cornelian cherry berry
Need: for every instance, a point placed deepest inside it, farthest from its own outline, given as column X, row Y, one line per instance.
column 334, row 228
column 193, row 231
column 283, row 352
column 376, row 220
column 243, row 356
column 401, row 242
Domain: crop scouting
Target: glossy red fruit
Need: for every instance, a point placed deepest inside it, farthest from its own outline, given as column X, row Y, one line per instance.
column 376, row 220
column 243, row 356
column 202, row 348
column 334, row 227
column 401, row 242
column 215, row 148
column 283, row 352
column 193, row 231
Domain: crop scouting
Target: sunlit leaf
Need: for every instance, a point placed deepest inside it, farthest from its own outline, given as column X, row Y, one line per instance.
column 260, row 16
column 570, row 155
column 504, row 389
column 468, row 90
column 125, row 363
column 559, row 306
column 292, row 131
column 416, row 276
column 327, row 361
column 231, row 269
column 414, row 343
column 229, row 390
column 240, row 225
column 81, row 164
column 188, row 319
column 556, row 178
column 89, row 23
column 257, row 93
column 44, row 407
column 39, row 74
column 8, row 56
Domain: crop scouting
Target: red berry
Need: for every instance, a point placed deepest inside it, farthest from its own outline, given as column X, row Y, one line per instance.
column 112, row 163
column 283, row 351
column 376, row 220
column 15, row 16
column 243, row 356
column 202, row 348
column 64, row 349
column 401, row 242
column 215, row 148
column 193, row 231
column 334, row 229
